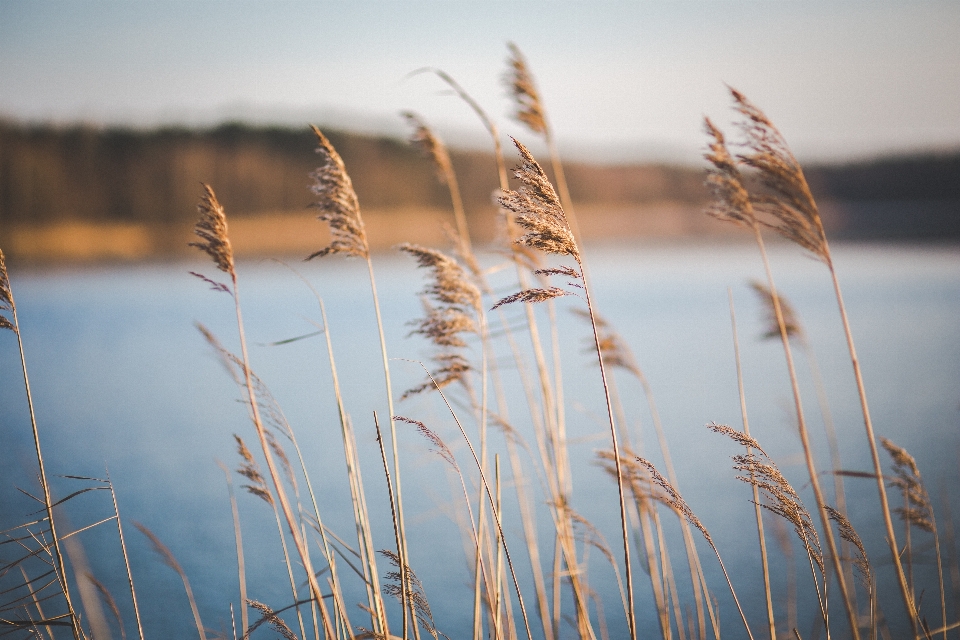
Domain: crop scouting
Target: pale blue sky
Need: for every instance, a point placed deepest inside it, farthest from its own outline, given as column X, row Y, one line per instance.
column 619, row 79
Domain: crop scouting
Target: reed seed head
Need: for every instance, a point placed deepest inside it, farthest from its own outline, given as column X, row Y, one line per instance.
column 6, row 296
column 791, row 202
column 270, row 617
column 731, row 200
column 523, row 89
column 848, row 533
column 211, row 228
column 532, row 296
column 781, row 499
column 917, row 509
column 790, row 322
column 737, row 436
column 415, row 592
column 427, row 141
column 450, row 285
column 672, row 497
column 338, row 204
column 613, row 349
column 536, row 207
column 251, row 471
column 440, row 448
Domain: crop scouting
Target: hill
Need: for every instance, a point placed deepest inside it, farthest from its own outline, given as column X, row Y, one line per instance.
column 87, row 193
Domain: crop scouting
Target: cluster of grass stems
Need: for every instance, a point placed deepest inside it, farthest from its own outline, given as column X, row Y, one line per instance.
column 762, row 190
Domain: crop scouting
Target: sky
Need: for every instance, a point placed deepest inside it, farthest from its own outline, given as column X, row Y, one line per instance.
column 620, row 80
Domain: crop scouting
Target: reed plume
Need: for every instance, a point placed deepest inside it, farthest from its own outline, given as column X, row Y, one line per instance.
column 212, row 231
column 433, row 147
column 6, row 296
column 790, row 202
column 414, row 591
column 271, row 617
column 772, row 328
column 457, row 312
column 860, row 561
column 782, row 499
column 521, row 85
column 338, row 204
column 536, row 208
column 918, row 511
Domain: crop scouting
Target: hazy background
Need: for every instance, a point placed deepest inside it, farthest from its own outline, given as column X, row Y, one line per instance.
column 625, row 80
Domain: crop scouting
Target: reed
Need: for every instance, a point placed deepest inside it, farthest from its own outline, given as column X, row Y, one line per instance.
column 797, row 218
column 734, row 204
column 761, row 188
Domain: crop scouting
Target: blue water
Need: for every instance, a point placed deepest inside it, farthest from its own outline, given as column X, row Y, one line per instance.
column 122, row 379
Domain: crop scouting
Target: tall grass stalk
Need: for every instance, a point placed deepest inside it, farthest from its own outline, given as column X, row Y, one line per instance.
column 7, row 303
column 545, row 420
column 771, row 622
column 496, row 517
column 798, row 219
column 341, row 209
column 241, row 563
column 404, row 589
column 212, row 230
column 733, row 203
column 539, row 211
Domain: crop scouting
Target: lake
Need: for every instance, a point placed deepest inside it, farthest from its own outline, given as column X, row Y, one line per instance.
column 123, row 380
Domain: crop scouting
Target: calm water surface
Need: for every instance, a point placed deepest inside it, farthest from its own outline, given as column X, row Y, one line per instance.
column 122, row 379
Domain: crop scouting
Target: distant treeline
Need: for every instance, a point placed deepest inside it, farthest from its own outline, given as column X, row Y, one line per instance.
column 52, row 174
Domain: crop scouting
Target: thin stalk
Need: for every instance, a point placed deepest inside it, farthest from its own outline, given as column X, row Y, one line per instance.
column 805, row 441
column 756, row 492
column 241, row 565
column 631, row 616
column 874, row 454
column 496, row 517
column 396, row 528
column 126, row 558
column 693, row 559
column 36, row 603
column 293, row 583
column 47, row 504
column 393, row 426
column 734, row 594
column 271, row 467
column 364, row 536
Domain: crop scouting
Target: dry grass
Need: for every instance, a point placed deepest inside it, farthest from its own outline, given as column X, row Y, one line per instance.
column 759, row 189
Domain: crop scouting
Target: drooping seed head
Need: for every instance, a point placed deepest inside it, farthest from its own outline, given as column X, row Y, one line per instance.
column 791, row 202
column 731, row 201
column 427, row 141
column 917, row 509
column 521, row 85
column 790, row 322
column 450, row 285
column 848, row 533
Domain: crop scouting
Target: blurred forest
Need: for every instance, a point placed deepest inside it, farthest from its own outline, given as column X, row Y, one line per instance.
column 82, row 192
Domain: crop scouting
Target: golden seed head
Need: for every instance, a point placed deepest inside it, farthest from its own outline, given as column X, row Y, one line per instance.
column 520, row 84
column 338, row 204
column 211, row 228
